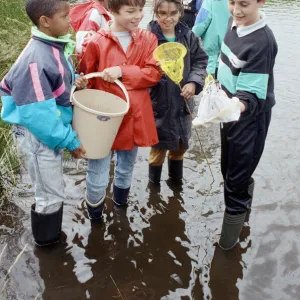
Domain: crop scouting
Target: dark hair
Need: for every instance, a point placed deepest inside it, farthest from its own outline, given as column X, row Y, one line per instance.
column 178, row 4
column 37, row 8
column 115, row 5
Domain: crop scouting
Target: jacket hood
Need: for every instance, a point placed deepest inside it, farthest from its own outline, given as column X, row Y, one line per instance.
column 79, row 11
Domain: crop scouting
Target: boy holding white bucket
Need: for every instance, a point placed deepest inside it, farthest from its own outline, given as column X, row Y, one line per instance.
column 35, row 98
column 125, row 52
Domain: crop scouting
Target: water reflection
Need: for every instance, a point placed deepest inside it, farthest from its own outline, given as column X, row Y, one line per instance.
column 163, row 246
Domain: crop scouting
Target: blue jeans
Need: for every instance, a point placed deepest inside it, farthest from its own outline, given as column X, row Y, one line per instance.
column 98, row 173
column 44, row 167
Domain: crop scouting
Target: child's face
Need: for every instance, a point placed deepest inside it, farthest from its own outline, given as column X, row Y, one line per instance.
column 128, row 18
column 59, row 23
column 167, row 16
column 245, row 12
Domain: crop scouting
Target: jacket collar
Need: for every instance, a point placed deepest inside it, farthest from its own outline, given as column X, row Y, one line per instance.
column 180, row 30
column 64, row 43
column 243, row 31
column 135, row 34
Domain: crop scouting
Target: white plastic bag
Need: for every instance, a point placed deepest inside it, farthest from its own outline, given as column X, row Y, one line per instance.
column 215, row 106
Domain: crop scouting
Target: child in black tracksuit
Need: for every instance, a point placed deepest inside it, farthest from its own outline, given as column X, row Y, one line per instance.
column 245, row 72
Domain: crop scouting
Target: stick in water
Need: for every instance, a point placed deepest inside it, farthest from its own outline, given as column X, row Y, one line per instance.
column 116, row 287
column 201, row 146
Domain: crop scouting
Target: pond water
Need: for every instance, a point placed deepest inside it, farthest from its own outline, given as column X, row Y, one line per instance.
column 163, row 246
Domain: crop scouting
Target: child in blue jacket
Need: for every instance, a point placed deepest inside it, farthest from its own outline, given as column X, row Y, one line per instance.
column 36, row 99
column 211, row 25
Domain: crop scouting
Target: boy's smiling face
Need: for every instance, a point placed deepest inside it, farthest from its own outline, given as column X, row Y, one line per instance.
column 245, row 12
column 128, row 18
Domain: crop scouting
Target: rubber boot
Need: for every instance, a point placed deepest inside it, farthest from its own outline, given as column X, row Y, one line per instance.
column 46, row 228
column 95, row 210
column 155, row 174
column 175, row 169
column 250, row 192
column 231, row 229
column 120, row 197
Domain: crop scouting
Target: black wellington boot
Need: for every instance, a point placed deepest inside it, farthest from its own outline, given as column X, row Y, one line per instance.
column 250, row 192
column 46, row 228
column 120, row 197
column 95, row 210
column 231, row 229
column 175, row 169
column 155, row 174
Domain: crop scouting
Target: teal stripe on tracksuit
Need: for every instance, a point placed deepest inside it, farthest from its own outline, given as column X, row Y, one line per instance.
column 254, row 83
column 226, row 50
column 226, row 78
column 249, row 82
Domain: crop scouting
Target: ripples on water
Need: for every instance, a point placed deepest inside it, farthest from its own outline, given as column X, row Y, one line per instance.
column 163, row 246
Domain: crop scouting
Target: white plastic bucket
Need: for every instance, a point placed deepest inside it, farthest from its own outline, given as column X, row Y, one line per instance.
column 97, row 116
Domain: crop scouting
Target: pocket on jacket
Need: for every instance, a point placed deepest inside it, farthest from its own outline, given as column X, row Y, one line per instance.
column 159, row 99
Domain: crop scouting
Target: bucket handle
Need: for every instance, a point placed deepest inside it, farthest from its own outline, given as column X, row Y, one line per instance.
column 100, row 74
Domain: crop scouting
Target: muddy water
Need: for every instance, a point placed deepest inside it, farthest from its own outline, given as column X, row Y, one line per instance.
column 162, row 247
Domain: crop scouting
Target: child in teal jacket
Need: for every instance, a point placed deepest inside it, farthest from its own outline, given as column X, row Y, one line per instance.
column 210, row 25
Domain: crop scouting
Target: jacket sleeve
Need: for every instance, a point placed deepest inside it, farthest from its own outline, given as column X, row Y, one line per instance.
column 90, row 61
column 135, row 77
column 198, row 4
column 36, row 109
column 198, row 64
column 203, row 19
column 253, row 80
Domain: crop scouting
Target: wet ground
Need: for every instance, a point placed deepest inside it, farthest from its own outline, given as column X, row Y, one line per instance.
column 163, row 246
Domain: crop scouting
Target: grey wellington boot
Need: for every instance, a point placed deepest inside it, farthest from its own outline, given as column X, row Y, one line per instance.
column 250, row 192
column 231, row 229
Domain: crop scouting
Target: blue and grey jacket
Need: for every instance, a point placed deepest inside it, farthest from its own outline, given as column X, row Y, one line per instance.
column 36, row 91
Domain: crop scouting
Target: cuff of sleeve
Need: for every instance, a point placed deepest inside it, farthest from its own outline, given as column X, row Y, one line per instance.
column 74, row 144
column 199, row 87
column 245, row 104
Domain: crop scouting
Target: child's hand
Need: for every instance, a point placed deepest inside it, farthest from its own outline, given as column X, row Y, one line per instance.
column 78, row 153
column 241, row 104
column 81, row 82
column 160, row 69
column 188, row 91
column 111, row 74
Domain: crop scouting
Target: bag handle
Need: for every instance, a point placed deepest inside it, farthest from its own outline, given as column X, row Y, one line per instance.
column 100, row 75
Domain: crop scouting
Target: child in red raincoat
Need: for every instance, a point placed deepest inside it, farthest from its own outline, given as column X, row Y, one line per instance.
column 86, row 19
column 125, row 52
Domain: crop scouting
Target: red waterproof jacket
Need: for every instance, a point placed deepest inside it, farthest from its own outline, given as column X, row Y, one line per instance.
column 86, row 20
column 139, row 72
column 81, row 19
